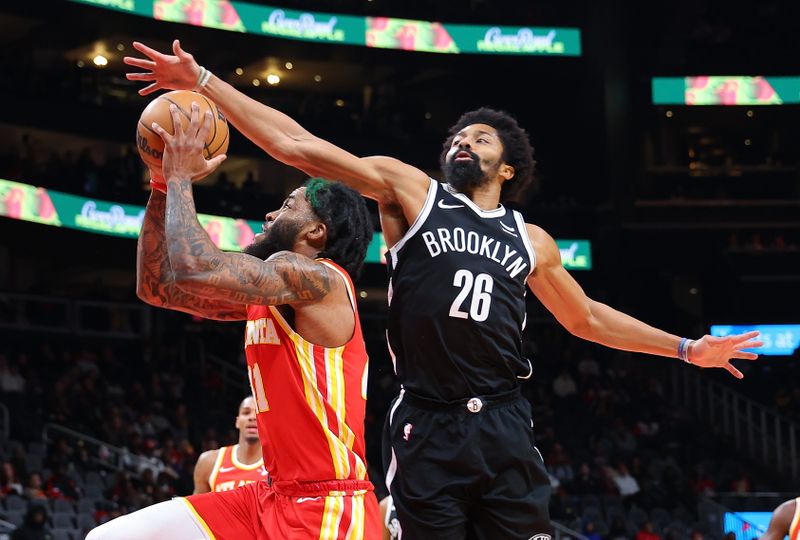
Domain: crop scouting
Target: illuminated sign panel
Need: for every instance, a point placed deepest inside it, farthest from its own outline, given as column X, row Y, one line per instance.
column 725, row 90
column 379, row 32
column 779, row 339
column 40, row 205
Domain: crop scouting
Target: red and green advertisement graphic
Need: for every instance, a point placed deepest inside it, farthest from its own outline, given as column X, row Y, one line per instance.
column 706, row 90
column 378, row 32
column 28, row 203
column 408, row 35
column 207, row 13
column 725, row 90
column 228, row 234
column 31, row 203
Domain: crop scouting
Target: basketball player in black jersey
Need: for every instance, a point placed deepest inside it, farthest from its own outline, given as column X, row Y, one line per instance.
column 461, row 460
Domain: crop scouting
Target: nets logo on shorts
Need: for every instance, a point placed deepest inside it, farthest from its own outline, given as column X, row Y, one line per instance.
column 541, row 536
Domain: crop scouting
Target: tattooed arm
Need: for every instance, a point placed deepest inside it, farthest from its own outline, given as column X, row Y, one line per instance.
column 204, row 270
column 155, row 281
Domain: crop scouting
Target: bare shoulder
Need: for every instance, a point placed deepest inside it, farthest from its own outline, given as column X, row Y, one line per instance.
column 781, row 521
column 544, row 246
column 207, row 458
column 309, row 279
column 406, row 189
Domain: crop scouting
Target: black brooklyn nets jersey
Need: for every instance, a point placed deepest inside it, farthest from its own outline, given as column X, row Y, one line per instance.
column 457, row 299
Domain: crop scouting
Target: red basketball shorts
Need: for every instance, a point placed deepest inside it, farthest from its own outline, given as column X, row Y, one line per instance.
column 338, row 510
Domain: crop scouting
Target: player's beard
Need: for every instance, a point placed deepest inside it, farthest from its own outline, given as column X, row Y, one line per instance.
column 465, row 176
column 252, row 440
column 280, row 236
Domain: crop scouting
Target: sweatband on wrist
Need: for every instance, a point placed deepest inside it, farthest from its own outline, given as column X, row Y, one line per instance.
column 683, row 349
column 158, row 186
column 202, row 78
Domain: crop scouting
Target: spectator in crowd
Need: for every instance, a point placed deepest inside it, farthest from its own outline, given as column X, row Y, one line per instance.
column 34, row 526
column 647, row 532
column 35, row 488
column 564, row 385
column 9, row 484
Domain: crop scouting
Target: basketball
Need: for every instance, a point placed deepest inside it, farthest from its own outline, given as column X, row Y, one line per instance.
column 151, row 145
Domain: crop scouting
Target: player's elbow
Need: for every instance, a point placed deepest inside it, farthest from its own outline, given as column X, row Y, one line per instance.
column 187, row 267
column 188, row 277
column 582, row 325
column 144, row 294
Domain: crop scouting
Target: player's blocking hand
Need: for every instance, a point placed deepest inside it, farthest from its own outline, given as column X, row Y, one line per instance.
column 711, row 351
column 173, row 72
column 183, row 150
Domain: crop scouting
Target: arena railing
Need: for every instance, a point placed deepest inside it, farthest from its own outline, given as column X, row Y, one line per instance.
column 714, row 515
column 5, row 418
column 72, row 316
column 758, row 431
column 104, row 454
column 562, row 532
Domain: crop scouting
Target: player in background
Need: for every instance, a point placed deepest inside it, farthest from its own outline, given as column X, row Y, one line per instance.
column 230, row 467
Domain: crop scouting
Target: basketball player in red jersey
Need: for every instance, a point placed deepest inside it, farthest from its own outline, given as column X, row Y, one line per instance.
column 306, row 358
column 785, row 521
column 230, row 467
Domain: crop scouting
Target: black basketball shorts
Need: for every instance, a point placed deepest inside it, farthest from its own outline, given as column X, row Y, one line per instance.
column 466, row 470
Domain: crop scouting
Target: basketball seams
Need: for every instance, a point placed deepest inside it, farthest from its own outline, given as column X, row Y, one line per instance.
column 214, row 123
column 206, row 146
column 224, row 140
column 151, row 130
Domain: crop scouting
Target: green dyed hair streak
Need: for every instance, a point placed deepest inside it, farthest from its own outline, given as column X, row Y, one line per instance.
column 313, row 186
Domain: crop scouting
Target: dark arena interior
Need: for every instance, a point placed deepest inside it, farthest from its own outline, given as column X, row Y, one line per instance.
column 667, row 148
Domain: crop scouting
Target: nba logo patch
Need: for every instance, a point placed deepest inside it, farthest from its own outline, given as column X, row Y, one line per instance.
column 407, row 431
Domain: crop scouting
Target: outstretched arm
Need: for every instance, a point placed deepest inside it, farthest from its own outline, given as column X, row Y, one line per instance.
column 384, row 179
column 155, row 281
column 597, row 322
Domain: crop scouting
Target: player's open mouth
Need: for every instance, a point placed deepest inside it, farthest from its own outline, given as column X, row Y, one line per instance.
column 462, row 156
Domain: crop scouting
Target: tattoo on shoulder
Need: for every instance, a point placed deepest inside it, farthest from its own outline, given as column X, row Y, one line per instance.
column 311, row 280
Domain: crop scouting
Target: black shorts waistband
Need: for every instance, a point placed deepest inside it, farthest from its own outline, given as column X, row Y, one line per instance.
column 473, row 404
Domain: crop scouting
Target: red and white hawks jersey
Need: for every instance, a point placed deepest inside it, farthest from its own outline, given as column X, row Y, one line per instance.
column 311, row 400
column 229, row 473
column 794, row 528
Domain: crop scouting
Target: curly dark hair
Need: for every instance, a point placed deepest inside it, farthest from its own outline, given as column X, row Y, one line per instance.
column 345, row 214
column 517, row 149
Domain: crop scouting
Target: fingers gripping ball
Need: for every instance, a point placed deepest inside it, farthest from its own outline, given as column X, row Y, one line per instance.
column 151, row 145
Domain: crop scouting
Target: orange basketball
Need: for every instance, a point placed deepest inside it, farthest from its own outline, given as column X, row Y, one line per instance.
column 151, row 145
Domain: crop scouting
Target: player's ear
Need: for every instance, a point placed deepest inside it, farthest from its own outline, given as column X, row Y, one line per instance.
column 506, row 171
column 317, row 235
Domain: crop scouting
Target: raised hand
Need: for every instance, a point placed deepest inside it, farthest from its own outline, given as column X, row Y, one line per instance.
column 173, row 72
column 183, row 150
column 711, row 351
